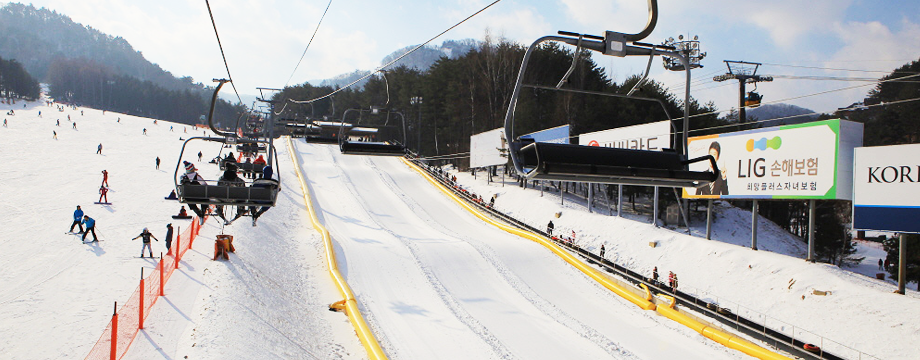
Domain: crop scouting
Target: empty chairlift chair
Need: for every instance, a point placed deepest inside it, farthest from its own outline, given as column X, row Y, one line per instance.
column 392, row 146
column 578, row 163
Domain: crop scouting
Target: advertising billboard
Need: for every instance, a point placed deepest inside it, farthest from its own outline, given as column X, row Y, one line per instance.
column 886, row 188
column 486, row 148
column 558, row 135
column 802, row 161
column 652, row 136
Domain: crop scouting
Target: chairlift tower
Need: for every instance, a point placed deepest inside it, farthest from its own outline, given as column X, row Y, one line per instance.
column 745, row 72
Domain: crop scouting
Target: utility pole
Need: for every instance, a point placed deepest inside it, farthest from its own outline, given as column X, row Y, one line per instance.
column 744, row 72
column 417, row 101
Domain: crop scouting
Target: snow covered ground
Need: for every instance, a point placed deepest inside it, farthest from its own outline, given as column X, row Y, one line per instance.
column 861, row 313
column 270, row 300
column 432, row 281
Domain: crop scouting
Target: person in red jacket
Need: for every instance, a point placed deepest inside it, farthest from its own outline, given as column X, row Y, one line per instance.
column 105, row 178
column 102, row 194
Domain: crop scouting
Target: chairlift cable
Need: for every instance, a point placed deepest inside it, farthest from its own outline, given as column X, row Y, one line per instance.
column 394, row 60
column 222, row 52
column 838, row 69
column 308, row 44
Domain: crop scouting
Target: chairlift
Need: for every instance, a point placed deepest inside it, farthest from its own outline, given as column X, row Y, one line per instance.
column 752, row 99
column 260, row 192
column 391, row 147
column 579, row 163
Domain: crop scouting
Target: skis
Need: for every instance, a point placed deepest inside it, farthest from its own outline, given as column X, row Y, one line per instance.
column 188, row 217
column 98, row 240
column 73, row 233
column 102, row 203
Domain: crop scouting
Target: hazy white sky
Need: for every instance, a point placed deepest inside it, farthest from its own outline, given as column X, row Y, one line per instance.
column 264, row 39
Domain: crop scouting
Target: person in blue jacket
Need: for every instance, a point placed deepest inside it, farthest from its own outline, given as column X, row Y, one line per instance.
column 77, row 217
column 90, row 227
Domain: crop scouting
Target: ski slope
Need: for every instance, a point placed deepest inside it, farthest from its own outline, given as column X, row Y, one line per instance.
column 435, row 282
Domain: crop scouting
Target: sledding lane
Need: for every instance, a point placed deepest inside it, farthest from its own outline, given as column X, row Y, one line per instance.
column 435, row 282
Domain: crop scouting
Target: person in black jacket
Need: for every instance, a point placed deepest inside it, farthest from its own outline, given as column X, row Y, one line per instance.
column 146, row 235
column 169, row 235
column 549, row 228
column 230, row 178
column 720, row 185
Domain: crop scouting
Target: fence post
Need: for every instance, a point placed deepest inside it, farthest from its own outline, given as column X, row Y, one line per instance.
column 140, row 320
column 161, row 273
column 114, row 333
column 176, row 255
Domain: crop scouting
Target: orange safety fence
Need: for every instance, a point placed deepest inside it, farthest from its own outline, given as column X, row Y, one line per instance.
column 127, row 321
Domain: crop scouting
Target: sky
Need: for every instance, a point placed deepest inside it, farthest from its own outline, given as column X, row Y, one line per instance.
column 264, row 39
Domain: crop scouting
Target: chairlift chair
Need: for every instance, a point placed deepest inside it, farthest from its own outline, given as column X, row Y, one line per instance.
column 752, row 99
column 373, row 148
column 593, row 164
column 260, row 192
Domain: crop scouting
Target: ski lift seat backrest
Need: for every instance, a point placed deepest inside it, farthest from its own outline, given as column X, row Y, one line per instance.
column 250, row 167
column 372, row 148
column 568, row 162
column 250, row 148
column 319, row 139
column 228, row 195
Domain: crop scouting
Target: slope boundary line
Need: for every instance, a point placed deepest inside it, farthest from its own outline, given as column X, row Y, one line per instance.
column 363, row 331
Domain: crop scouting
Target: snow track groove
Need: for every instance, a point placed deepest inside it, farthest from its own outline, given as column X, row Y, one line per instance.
column 436, row 282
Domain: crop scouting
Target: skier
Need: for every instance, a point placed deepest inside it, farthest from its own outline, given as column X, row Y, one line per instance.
column 58, row 122
column 119, row 120
column 192, row 177
column 549, row 228
column 199, row 156
column 105, row 178
column 170, row 128
column 145, row 131
column 4, row 123
column 230, row 178
column 158, row 163
column 146, row 235
column 74, row 124
column 55, row 134
column 102, row 194
column 39, row 114
column 655, row 274
column 77, row 216
column 603, row 250
column 99, row 149
column 169, row 235
column 880, row 262
column 90, row 227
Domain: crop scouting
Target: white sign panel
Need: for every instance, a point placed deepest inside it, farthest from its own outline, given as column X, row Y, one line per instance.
column 886, row 188
column 802, row 161
column 486, row 148
column 651, row 136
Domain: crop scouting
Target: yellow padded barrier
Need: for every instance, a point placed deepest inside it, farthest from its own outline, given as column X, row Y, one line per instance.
column 565, row 255
column 365, row 335
column 729, row 340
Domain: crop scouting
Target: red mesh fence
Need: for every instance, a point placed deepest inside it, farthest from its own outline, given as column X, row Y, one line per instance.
column 120, row 333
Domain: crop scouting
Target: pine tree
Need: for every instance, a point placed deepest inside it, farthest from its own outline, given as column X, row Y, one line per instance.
column 892, row 247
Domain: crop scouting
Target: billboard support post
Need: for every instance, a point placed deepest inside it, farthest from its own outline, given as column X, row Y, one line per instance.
column 655, row 209
column 709, row 219
column 902, row 262
column 811, row 231
column 590, row 198
column 754, row 225
column 620, row 200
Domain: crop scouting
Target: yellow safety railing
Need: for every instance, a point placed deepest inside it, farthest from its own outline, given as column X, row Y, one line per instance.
column 727, row 339
column 365, row 335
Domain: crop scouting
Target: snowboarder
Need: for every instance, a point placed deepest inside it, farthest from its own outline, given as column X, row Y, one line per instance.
column 199, row 156
column 172, row 196
column 99, row 149
column 146, row 235
column 90, row 227
column 102, row 194
column 603, row 250
column 655, row 274
column 158, row 163
column 549, row 228
column 105, row 178
column 169, row 235
column 77, row 217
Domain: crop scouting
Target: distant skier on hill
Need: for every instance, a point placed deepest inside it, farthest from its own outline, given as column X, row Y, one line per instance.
column 58, row 122
column 199, row 156
column 77, row 217
column 55, row 134
column 99, row 149
column 4, row 123
column 145, row 131
column 158, row 163
column 146, row 235
column 105, row 178
column 74, row 125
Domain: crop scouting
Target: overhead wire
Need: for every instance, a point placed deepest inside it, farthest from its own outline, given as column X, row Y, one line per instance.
column 369, row 74
column 214, row 24
column 308, row 43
